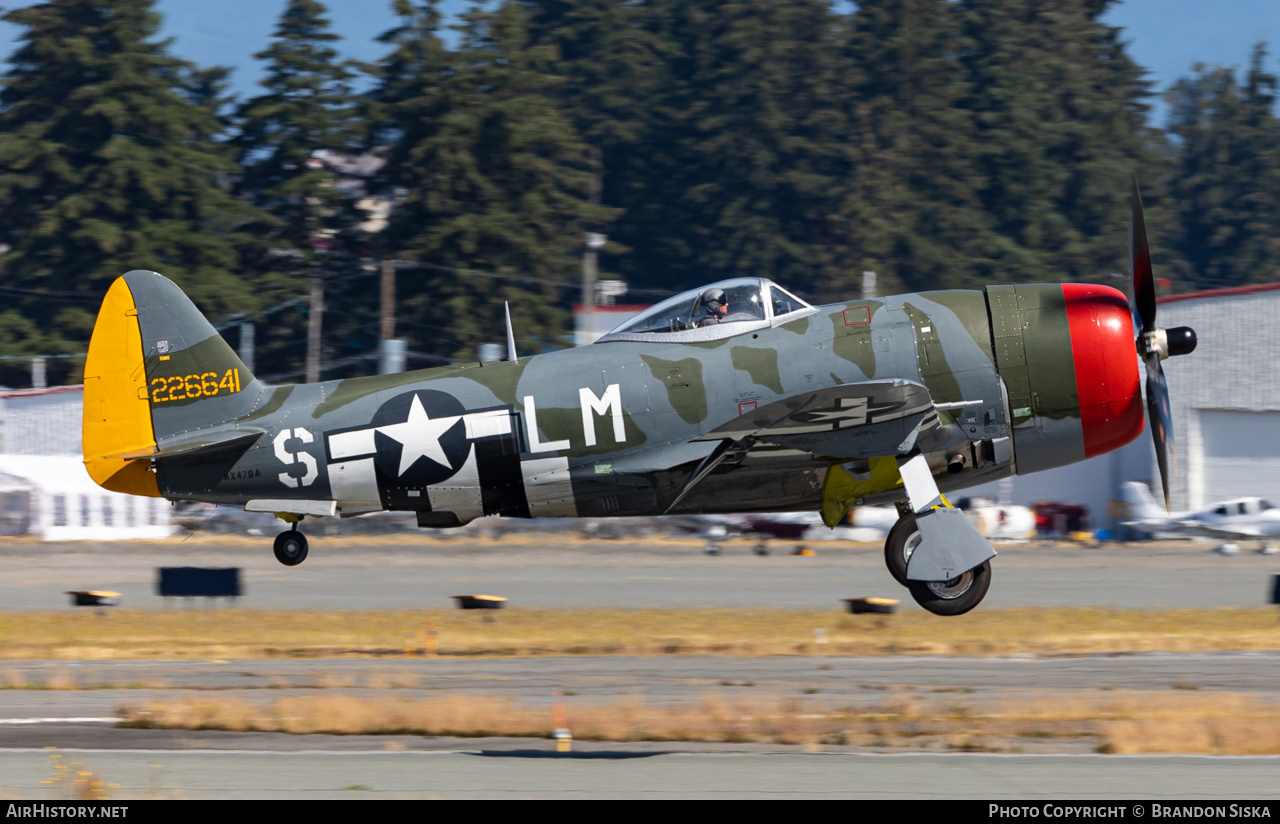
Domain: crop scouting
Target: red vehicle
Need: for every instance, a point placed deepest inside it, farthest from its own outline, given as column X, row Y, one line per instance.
column 1053, row 518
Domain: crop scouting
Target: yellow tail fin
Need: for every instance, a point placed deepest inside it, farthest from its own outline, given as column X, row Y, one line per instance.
column 117, row 409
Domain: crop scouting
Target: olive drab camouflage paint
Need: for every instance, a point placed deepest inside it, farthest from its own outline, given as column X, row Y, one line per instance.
column 774, row 405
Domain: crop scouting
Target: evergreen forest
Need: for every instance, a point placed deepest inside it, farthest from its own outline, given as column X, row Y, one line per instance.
column 939, row 143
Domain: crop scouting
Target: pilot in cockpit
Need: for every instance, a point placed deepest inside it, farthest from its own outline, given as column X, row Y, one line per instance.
column 716, row 306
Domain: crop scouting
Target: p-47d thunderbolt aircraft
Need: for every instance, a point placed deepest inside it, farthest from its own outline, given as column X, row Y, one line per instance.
column 738, row 397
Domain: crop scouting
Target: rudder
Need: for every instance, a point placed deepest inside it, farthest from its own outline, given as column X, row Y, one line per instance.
column 1142, row 506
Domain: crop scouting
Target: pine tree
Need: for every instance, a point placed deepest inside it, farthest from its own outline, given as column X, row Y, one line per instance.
column 1060, row 111
column 606, row 62
column 1227, row 182
column 106, row 165
column 495, row 185
column 608, row 70
column 735, row 171
column 307, row 109
column 910, row 210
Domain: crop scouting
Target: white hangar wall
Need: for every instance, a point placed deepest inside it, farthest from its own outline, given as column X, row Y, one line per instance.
column 48, row 492
column 1225, row 400
column 1226, row 395
column 41, row 421
column 64, row 504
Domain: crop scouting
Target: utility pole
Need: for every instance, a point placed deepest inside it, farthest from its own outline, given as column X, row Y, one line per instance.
column 315, row 318
column 246, row 344
column 390, row 350
column 387, row 317
column 594, row 243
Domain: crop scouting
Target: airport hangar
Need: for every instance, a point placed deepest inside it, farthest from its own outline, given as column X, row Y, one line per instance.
column 1226, row 415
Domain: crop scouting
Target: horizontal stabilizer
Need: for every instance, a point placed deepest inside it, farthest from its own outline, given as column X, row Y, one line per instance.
column 239, row 439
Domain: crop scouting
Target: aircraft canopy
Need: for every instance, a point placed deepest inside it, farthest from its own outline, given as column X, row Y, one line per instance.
column 718, row 310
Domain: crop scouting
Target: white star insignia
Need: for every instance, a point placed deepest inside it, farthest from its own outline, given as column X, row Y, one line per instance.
column 420, row 436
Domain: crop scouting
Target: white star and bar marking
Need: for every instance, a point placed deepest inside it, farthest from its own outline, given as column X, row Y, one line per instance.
column 419, row 435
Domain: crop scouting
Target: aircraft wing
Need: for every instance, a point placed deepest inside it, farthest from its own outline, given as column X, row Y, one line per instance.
column 1196, row 528
column 871, row 420
column 857, row 420
column 1219, row 530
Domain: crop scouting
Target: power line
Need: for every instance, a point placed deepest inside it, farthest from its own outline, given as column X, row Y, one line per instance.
column 49, row 295
column 250, row 318
column 31, row 357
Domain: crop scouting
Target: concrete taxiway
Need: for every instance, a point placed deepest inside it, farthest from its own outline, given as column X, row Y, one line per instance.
column 511, row 769
column 556, row 571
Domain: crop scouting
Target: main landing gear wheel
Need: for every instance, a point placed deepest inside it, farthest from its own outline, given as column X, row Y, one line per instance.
column 291, row 547
column 902, row 541
column 955, row 597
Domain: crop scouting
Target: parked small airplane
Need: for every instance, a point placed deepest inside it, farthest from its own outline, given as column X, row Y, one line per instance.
column 1240, row 518
column 783, row 526
column 735, row 398
column 1000, row 522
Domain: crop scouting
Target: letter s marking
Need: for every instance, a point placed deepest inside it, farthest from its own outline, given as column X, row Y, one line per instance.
column 286, row 457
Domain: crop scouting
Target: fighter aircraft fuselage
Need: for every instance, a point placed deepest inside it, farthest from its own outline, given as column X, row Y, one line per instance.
column 614, row 428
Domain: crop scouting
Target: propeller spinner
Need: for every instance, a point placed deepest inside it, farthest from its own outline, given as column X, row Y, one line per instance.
column 1154, row 344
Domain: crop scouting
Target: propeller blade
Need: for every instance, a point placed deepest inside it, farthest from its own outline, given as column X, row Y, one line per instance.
column 1144, row 284
column 1161, row 418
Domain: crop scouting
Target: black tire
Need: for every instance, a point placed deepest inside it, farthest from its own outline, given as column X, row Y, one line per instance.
column 903, row 538
column 291, row 547
column 955, row 597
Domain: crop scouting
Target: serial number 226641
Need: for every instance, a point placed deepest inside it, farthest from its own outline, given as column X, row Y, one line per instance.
column 189, row 387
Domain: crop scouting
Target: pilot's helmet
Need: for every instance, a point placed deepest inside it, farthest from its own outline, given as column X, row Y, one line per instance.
column 713, row 299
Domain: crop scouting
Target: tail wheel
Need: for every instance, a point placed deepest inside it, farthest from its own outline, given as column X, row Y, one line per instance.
column 291, row 547
column 955, row 597
column 902, row 541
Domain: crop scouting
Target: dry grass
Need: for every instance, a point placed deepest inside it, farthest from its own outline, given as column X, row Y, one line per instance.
column 1123, row 722
column 242, row 633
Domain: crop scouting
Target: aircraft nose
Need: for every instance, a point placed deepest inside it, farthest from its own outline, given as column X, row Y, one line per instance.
column 1106, row 366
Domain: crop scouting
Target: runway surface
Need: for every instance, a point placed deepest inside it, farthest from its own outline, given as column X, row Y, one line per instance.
column 555, row 571
column 510, row 769
column 551, row 571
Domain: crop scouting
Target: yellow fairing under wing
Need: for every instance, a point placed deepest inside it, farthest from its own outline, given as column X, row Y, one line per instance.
column 117, row 410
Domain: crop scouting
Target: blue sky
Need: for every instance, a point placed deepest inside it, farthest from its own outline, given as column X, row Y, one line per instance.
column 1165, row 36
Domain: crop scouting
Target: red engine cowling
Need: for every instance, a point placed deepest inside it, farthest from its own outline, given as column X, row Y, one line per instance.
column 1066, row 354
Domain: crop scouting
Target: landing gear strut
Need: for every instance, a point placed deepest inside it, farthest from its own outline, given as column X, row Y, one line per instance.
column 291, row 547
column 933, row 550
